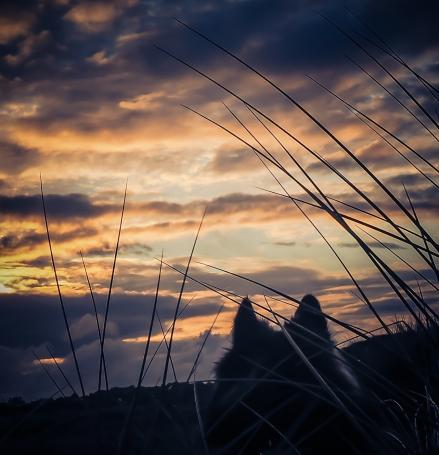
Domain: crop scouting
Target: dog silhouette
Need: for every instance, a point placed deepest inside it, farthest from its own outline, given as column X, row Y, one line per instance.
column 284, row 391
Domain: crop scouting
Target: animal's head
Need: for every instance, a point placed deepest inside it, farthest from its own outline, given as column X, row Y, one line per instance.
column 257, row 346
column 262, row 378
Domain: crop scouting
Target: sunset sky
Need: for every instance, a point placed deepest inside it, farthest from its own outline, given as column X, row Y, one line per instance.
column 88, row 101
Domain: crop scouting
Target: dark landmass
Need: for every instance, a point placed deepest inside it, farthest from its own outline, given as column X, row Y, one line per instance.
column 165, row 421
column 401, row 368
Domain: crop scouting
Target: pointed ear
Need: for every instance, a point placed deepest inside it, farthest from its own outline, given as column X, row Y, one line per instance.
column 244, row 325
column 309, row 315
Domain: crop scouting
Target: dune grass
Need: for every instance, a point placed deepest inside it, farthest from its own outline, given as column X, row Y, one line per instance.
column 412, row 415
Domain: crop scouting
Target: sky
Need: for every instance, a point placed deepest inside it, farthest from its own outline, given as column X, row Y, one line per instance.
column 89, row 101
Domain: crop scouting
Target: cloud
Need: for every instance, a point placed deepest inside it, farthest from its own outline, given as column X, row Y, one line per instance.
column 27, row 240
column 126, row 250
column 284, row 243
column 17, row 159
column 248, row 208
column 88, row 99
column 97, row 16
column 19, row 109
column 99, row 58
column 145, row 102
column 27, row 48
column 40, row 318
column 238, row 161
column 14, row 22
column 409, row 180
column 392, row 246
column 22, row 377
column 40, row 322
column 59, row 207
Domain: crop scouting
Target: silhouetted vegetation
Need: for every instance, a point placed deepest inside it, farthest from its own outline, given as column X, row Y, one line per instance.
column 285, row 386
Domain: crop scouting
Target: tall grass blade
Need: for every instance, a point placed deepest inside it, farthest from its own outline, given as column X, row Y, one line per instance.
column 382, row 267
column 52, row 379
column 107, row 307
column 307, row 114
column 358, row 220
column 171, row 338
column 392, row 53
column 418, row 224
column 167, row 347
column 267, row 422
column 377, row 82
column 200, row 420
column 61, row 371
column 197, row 358
column 389, row 73
column 378, row 125
column 164, row 338
column 72, row 347
column 129, row 418
column 388, row 248
column 98, row 326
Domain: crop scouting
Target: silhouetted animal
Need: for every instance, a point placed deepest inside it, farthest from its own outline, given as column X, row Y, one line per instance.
column 268, row 398
column 293, row 391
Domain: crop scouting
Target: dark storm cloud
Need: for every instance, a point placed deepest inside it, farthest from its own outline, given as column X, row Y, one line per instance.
column 246, row 208
column 22, row 377
column 10, row 242
column 32, row 320
column 289, row 34
column 12, row 371
column 39, row 262
column 16, row 19
column 59, row 207
column 277, row 36
column 249, row 208
column 16, row 159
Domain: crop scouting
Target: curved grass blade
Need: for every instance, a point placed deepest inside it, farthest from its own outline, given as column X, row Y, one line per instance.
column 72, row 347
column 107, row 307
column 96, row 317
column 61, row 371
column 52, row 379
column 171, row 338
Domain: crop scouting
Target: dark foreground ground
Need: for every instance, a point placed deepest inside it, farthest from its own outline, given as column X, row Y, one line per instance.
column 399, row 371
column 165, row 422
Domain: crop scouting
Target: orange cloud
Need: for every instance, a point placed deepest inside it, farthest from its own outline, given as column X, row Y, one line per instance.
column 96, row 16
column 15, row 27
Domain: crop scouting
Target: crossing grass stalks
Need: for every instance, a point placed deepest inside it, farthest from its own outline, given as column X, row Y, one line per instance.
column 409, row 407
